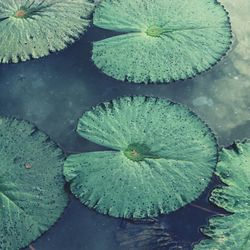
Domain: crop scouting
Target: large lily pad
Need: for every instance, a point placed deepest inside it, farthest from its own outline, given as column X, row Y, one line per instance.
column 34, row 28
column 162, row 40
column 233, row 231
column 32, row 193
column 162, row 157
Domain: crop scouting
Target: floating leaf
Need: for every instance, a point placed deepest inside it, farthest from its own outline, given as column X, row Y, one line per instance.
column 233, row 231
column 162, row 158
column 162, row 40
column 32, row 193
column 34, row 28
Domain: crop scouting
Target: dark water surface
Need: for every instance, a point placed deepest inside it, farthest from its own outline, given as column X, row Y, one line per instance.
column 54, row 91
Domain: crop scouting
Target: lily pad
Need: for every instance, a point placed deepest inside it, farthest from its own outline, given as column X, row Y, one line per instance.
column 233, row 231
column 34, row 28
column 161, row 157
column 161, row 40
column 32, row 195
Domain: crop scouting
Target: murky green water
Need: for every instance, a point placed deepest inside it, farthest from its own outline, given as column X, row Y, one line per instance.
column 54, row 91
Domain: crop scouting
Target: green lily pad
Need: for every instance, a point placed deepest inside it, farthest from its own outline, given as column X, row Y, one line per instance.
column 32, row 29
column 161, row 40
column 32, row 193
column 233, row 231
column 161, row 157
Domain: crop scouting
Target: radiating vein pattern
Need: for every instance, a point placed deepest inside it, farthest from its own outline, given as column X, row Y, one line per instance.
column 162, row 40
column 32, row 193
column 34, row 28
column 161, row 157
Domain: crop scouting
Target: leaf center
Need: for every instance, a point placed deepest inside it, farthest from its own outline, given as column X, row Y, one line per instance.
column 155, row 31
column 138, row 152
column 21, row 13
column 29, row 10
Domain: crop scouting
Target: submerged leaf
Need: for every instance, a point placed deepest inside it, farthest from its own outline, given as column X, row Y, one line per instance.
column 162, row 40
column 32, row 193
column 163, row 157
column 153, row 236
column 231, row 232
column 34, row 28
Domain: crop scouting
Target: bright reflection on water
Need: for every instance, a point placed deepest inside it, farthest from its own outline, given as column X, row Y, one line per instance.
column 54, row 91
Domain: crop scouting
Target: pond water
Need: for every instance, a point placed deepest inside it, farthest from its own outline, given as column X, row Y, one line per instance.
column 54, row 91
